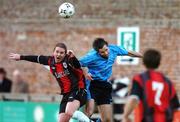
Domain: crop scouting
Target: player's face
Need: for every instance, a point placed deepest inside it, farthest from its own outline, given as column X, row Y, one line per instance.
column 59, row 54
column 104, row 52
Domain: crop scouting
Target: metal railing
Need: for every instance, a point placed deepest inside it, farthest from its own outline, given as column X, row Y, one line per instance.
column 56, row 98
column 51, row 98
column 30, row 97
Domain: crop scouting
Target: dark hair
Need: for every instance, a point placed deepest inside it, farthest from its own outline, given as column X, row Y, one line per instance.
column 99, row 43
column 152, row 58
column 61, row 45
column 2, row 71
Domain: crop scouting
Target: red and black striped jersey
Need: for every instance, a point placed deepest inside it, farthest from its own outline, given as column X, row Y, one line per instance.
column 157, row 96
column 68, row 73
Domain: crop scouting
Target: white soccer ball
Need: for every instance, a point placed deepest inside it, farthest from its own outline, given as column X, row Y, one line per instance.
column 66, row 10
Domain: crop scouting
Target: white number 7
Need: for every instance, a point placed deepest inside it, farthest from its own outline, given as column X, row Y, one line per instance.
column 158, row 87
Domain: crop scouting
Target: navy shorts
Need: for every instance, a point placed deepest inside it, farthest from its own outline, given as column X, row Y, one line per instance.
column 101, row 92
column 80, row 95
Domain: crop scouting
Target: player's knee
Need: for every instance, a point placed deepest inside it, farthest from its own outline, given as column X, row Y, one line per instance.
column 106, row 119
column 69, row 113
column 89, row 113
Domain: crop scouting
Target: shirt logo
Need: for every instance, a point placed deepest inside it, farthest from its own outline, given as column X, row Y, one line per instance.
column 64, row 65
column 62, row 74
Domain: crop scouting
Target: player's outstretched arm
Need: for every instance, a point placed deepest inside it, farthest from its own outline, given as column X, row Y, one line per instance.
column 32, row 58
column 134, row 54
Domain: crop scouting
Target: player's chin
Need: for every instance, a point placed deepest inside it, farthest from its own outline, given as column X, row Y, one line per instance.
column 105, row 56
column 58, row 60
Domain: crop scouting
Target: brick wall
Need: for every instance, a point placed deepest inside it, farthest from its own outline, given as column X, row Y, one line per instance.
column 34, row 27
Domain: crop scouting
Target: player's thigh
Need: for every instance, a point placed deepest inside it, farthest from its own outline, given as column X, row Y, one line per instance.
column 105, row 111
column 72, row 106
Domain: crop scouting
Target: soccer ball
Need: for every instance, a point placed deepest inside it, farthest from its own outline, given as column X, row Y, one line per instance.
column 66, row 10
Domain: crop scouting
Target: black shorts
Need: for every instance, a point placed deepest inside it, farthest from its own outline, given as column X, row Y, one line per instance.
column 80, row 95
column 101, row 92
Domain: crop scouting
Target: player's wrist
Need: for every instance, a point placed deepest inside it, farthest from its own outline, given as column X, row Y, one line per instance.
column 21, row 57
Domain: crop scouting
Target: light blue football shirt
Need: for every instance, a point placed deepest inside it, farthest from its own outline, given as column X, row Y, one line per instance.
column 99, row 67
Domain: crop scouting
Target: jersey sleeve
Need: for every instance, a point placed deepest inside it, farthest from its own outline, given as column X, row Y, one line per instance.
column 86, row 60
column 36, row 59
column 136, row 90
column 119, row 50
column 174, row 102
column 74, row 62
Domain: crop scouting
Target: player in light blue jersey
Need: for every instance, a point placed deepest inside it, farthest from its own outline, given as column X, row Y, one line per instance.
column 99, row 62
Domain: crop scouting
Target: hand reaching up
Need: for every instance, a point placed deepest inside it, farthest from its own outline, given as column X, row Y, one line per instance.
column 70, row 53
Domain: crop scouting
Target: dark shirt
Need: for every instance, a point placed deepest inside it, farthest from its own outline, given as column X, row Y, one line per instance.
column 5, row 85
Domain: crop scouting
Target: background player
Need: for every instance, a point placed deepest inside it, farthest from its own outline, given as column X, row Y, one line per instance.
column 153, row 91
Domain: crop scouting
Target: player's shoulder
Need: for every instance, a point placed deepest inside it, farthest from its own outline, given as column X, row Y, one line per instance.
column 160, row 75
column 115, row 47
column 137, row 78
column 112, row 46
column 92, row 53
column 166, row 78
column 48, row 57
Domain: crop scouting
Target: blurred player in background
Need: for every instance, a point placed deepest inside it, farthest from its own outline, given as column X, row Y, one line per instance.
column 19, row 84
column 5, row 83
column 153, row 91
column 69, row 75
column 98, row 62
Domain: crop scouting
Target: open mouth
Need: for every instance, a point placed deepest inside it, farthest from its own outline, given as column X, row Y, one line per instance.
column 58, row 58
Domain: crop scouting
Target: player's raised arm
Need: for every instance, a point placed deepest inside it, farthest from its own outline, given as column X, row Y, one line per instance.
column 134, row 54
column 73, row 61
column 32, row 58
